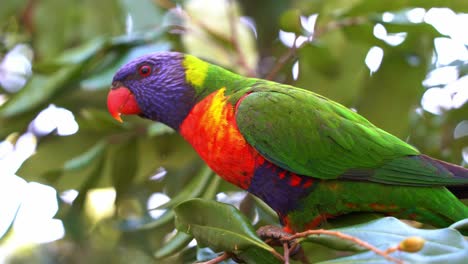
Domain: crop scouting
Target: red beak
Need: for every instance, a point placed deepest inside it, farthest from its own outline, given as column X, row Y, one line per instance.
column 120, row 101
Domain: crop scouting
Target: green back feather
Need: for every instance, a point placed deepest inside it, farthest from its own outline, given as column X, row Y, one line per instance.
column 311, row 135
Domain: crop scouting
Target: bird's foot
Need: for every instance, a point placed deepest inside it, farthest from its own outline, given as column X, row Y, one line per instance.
column 276, row 236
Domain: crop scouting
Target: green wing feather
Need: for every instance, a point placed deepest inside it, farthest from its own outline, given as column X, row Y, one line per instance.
column 311, row 135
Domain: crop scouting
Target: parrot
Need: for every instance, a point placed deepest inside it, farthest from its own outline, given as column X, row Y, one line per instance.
column 309, row 158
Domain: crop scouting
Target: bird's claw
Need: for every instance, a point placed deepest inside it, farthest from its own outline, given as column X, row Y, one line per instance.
column 276, row 236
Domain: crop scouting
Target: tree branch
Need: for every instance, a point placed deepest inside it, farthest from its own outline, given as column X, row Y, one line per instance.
column 343, row 236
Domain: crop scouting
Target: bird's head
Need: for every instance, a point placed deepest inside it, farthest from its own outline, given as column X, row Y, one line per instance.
column 153, row 86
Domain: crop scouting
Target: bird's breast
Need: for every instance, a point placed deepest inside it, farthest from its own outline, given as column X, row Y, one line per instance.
column 211, row 129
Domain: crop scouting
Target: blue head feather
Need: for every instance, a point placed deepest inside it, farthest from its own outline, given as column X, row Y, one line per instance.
column 164, row 95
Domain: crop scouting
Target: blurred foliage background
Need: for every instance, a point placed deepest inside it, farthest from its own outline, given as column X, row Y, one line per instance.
column 401, row 64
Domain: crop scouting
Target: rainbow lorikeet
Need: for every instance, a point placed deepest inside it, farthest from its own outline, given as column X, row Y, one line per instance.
column 309, row 158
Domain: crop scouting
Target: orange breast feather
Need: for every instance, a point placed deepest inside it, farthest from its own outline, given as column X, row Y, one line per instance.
column 212, row 130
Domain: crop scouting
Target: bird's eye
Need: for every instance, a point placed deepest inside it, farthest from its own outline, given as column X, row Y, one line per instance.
column 144, row 70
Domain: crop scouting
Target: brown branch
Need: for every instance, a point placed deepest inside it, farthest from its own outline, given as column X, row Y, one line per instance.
column 343, row 236
column 290, row 53
column 286, row 252
column 27, row 16
column 289, row 247
column 277, row 255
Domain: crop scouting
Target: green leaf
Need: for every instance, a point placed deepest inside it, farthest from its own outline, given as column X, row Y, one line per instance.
column 212, row 189
column 157, row 129
column 173, row 246
column 456, row 257
column 364, row 258
column 124, row 166
column 73, row 23
column 98, row 120
column 10, row 8
column 38, row 90
column 85, row 158
column 103, row 78
column 440, row 245
column 146, row 222
column 220, row 226
column 201, row 182
column 82, row 53
column 254, row 255
column 194, row 189
column 73, row 218
column 72, row 56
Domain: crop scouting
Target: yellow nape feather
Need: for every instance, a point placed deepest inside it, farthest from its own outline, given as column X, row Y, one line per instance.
column 195, row 70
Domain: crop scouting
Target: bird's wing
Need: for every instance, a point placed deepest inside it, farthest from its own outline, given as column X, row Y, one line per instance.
column 311, row 135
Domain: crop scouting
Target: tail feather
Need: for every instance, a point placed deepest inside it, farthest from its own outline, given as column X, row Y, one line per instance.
column 459, row 190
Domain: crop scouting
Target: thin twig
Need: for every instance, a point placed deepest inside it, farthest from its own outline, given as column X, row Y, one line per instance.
column 286, row 252
column 291, row 52
column 391, row 250
column 356, row 240
column 277, row 255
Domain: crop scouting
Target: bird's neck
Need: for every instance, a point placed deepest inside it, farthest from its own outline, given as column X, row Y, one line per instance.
column 207, row 78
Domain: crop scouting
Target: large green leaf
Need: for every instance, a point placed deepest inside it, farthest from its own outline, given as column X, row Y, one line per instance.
column 220, row 226
column 85, row 158
column 441, row 245
column 195, row 188
column 192, row 189
column 175, row 244
column 182, row 239
column 82, row 53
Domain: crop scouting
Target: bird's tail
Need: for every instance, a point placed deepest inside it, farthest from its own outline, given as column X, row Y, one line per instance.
column 460, row 189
